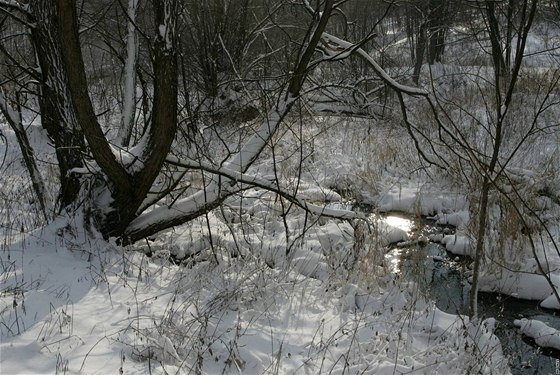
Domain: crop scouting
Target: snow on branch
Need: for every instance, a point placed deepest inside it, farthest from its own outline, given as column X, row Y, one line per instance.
column 183, row 210
column 334, row 48
column 253, row 147
column 167, row 27
column 14, row 9
column 14, row 4
column 212, row 195
column 217, row 190
column 225, row 183
column 255, row 181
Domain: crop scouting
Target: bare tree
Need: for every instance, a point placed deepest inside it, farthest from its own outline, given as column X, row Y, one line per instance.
column 14, row 120
column 483, row 147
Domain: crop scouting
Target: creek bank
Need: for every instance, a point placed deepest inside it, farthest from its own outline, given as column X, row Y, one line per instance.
column 443, row 277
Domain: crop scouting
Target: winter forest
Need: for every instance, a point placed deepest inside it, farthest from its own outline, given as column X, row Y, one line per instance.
column 279, row 187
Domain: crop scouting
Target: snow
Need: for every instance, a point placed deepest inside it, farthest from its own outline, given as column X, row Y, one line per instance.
column 458, row 244
column 518, row 284
column 551, row 302
column 86, row 306
column 457, row 219
column 424, row 200
column 92, row 307
column 167, row 28
column 251, row 149
column 129, row 94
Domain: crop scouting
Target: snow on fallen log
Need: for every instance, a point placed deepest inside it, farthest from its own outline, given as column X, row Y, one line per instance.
column 543, row 334
column 335, row 48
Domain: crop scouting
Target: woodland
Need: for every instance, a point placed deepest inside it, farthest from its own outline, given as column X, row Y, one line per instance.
column 274, row 186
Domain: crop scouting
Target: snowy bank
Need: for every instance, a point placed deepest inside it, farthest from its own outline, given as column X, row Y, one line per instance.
column 542, row 334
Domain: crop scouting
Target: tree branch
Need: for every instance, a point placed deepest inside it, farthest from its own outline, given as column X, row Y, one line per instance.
column 72, row 55
column 199, row 203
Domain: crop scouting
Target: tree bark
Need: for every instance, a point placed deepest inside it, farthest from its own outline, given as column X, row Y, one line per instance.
column 422, row 40
column 58, row 117
column 127, row 184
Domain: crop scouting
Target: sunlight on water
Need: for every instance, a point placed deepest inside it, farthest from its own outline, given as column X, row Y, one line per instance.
column 399, row 222
column 393, row 258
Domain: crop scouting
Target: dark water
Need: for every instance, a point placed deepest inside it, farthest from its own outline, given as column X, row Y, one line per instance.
column 443, row 278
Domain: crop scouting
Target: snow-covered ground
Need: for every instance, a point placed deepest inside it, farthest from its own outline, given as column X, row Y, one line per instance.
column 73, row 304
column 246, row 297
column 543, row 335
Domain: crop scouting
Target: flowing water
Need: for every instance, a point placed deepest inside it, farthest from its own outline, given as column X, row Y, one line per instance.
column 443, row 278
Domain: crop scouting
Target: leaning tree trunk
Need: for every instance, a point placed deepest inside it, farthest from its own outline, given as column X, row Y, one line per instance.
column 14, row 120
column 218, row 189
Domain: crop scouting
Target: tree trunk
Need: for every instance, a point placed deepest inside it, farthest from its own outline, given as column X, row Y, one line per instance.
column 495, row 40
column 479, row 249
column 128, row 185
column 220, row 188
column 68, row 115
column 119, row 186
column 57, row 116
column 420, row 50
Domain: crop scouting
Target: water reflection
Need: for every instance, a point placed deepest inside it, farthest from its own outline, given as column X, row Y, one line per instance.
column 399, row 222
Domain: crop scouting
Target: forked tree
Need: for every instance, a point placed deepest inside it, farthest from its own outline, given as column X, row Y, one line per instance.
column 112, row 181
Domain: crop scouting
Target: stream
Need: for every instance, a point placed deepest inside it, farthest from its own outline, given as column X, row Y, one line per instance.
column 442, row 277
